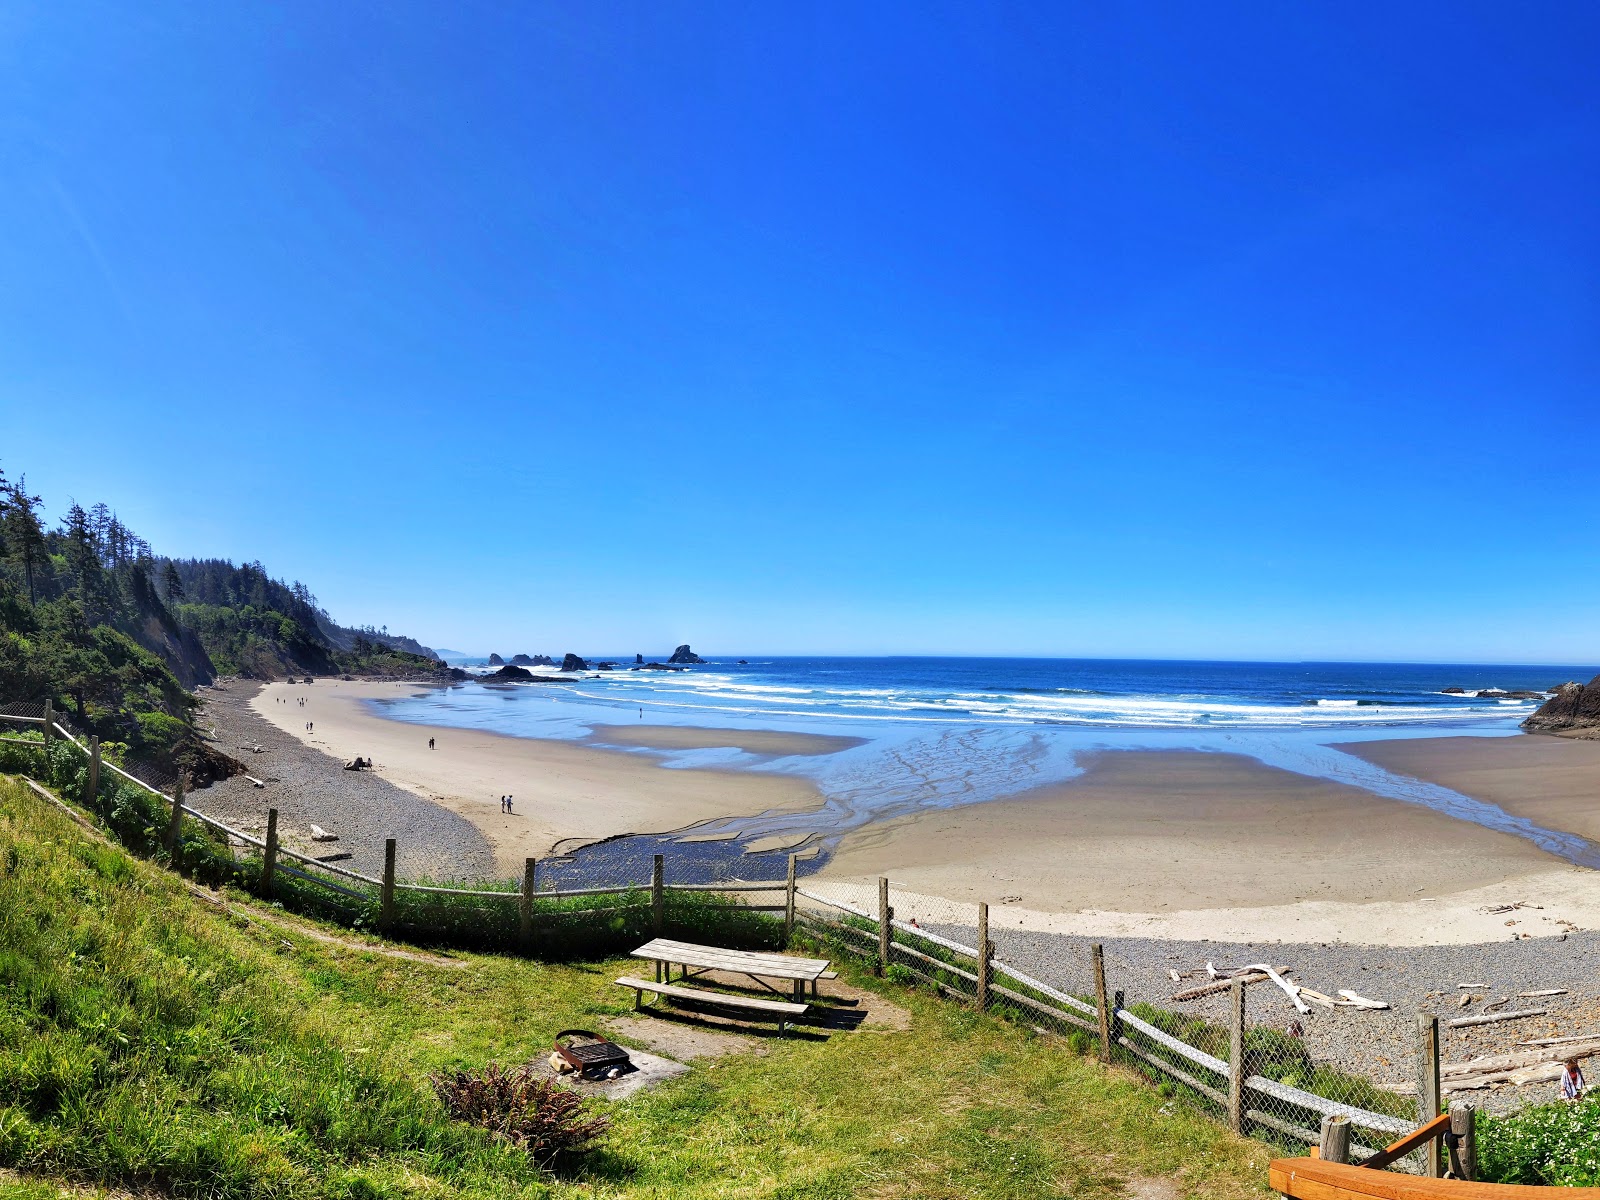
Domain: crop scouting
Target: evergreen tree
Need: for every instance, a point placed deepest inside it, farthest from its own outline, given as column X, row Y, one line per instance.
column 24, row 533
column 172, row 584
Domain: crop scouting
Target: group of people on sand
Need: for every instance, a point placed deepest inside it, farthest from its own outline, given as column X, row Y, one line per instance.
column 505, row 804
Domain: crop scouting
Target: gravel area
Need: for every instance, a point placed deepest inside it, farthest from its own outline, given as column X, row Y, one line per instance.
column 307, row 786
column 1380, row 1045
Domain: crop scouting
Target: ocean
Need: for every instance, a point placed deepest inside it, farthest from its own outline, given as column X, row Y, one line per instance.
column 934, row 732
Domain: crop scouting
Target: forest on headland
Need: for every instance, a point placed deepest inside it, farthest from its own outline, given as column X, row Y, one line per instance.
column 116, row 635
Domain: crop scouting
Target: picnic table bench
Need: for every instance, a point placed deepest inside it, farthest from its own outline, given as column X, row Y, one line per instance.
column 692, row 960
column 759, row 966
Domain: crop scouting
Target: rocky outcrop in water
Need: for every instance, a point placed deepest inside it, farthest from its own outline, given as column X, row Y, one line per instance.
column 532, row 660
column 496, row 661
column 573, row 663
column 509, row 675
column 1574, row 711
column 685, row 656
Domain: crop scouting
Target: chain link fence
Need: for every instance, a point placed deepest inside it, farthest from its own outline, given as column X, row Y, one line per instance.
column 1259, row 1079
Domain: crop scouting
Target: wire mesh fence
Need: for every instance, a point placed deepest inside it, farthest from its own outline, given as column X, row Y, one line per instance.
column 1259, row 1079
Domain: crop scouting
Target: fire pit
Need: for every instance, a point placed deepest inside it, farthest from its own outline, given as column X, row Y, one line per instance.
column 589, row 1055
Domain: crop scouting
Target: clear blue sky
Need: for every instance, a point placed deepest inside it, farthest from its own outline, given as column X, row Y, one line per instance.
column 1251, row 330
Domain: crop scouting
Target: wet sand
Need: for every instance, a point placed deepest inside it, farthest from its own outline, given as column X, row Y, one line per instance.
column 1553, row 781
column 766, row 743
column 563, row 790
column 1193, row 845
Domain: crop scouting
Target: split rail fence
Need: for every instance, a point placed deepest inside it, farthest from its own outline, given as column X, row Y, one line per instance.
column 354, row 893
column 1228, row 1084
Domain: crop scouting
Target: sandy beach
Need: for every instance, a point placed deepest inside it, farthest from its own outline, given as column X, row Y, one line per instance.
column 1166, row 844
column 1192, row 845
column 564, row 792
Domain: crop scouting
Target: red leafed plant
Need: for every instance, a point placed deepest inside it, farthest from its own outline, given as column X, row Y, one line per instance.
column 542, row 1117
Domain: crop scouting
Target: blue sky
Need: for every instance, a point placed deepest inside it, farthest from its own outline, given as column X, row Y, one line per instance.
column 1254, row 331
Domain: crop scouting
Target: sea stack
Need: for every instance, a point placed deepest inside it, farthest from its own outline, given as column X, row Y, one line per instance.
column 684, row 656
column 573, row 663
column 496, row 661
column 1574, row 711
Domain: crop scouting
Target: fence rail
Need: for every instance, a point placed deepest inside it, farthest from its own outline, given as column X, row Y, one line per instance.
column 652, row 891
column 1252, row 1102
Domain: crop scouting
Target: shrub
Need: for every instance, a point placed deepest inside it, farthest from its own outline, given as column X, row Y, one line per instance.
column 540, row 1116
column 896, row 973
column 1548, row 1144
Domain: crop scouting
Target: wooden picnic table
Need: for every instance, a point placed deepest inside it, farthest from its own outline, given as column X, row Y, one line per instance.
column 694, row 960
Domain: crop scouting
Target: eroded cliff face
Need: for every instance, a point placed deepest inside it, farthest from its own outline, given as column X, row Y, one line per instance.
column 1574, row 710
column 179, row 647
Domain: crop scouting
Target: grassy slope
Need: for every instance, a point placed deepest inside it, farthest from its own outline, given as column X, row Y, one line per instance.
column 149, row 1040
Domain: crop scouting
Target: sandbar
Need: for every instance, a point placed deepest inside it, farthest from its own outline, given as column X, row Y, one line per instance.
column 1188, row 844
column 1553, row 781
column 563, row 791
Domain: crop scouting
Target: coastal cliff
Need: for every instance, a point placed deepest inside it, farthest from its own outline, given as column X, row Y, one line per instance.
column 1574, row 711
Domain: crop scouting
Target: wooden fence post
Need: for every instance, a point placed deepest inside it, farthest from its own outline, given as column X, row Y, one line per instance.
column 885, row 915
column 529, row 865
column 658, row 892
column 985, row 957
column 1102, row 1002
column 1335, row 1138
column 1236, row 1056
column 49, row 726
column 174, row 826
column 1428, row 1083
column 788, row 905
column 386, row 897
column 269, row 854
column 91, row 792
column 1464, row 1131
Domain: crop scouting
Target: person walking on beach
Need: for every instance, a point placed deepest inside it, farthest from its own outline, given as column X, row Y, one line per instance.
column 502, row 803
column 1572, row 1084
column 430, row 743
column 508, row 803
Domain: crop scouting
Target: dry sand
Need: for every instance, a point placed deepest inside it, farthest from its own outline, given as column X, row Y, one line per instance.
column 1192, row 845
column 562, row 790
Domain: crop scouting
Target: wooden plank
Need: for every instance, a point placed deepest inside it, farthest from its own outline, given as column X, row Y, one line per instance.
column 732, row 885
column 695, row 955
column 1221, row 985
column 667, row 947
column 1334, row 1142
column 283, row 870
column 1043, row 1009
column 727, row 1000
column 1058, row 996
column 1102, row 1003
column 1236, row 1056
column 938, row 963
column 1310, row 1179
column 480, row 893
column 1494, row 1018
column 885, row 915
column 1362, row 1117
column 1464, row 1154
column 1423, row 1135
column 1430, row 1096
column 1177, row 1073
column 1199, row 1057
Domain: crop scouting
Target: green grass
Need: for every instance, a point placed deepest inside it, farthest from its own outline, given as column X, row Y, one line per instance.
column 149, row 1040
